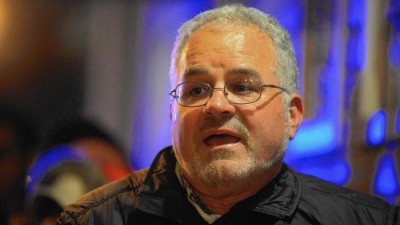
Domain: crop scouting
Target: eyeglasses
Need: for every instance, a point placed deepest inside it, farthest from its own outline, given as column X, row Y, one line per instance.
column 195, row 94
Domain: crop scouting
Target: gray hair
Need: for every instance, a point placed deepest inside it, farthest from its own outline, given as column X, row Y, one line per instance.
column 286, row 71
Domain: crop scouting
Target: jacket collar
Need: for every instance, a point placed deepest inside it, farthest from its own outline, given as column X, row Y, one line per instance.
column 279, row 198
column 161, row 193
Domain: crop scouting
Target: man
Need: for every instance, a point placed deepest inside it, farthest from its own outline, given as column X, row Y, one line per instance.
column 234, row 107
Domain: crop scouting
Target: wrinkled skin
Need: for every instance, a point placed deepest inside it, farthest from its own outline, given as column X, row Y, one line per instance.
column 221, row 147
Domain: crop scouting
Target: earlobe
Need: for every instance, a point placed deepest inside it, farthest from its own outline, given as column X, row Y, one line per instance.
column 296, row 111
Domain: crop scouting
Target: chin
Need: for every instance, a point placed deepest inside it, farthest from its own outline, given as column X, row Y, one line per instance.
column 226, row 172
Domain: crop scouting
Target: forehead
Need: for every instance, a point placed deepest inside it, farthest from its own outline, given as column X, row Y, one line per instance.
column 227, row 47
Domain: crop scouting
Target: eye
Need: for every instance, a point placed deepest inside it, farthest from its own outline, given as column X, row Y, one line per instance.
column 243, row 88
column 196, row 91
column 193, row 90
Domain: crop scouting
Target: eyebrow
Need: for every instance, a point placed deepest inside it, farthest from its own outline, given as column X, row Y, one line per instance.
column 195, row 71
column 235, row 72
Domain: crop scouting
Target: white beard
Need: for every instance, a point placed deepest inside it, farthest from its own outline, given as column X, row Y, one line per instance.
column 221, row 170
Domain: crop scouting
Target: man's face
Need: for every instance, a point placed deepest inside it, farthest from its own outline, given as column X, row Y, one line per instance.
column 222, row 143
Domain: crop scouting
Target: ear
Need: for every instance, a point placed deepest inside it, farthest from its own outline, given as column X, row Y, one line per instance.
column 296, row 111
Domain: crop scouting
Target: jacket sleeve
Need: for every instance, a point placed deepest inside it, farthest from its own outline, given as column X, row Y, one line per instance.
column 105, row 205
column 65, row 219
column 394, row 216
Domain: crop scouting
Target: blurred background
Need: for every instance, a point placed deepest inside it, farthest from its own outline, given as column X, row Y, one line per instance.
column 106, row 63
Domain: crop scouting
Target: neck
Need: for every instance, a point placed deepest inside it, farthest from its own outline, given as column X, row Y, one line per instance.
column 220, row 198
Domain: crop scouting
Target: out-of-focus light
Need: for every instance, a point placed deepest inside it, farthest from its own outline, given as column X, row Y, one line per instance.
column 48, row 160
column 386, row 183
column 2, row 20
column 335, row 171
column 394, row 52
column 376, row 129
column 398, row 121
column 314, row 138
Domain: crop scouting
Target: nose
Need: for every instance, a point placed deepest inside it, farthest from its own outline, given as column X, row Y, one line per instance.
column 218, row 105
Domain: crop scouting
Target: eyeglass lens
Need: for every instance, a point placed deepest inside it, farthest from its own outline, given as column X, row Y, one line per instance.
column 197, row 93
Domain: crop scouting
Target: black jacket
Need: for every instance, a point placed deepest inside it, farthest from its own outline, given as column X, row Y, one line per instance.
column 155, row 196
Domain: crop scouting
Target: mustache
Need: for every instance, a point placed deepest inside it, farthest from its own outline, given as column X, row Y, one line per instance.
column 232, row 124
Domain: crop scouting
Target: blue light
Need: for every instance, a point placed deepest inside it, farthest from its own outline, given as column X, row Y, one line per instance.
column 335, row 171
column 313, row 138
column 394, row 52
column 356, row 12
column 393, row 12
column 356, row 47
column 398, row 121
column 339, row 173
column 48, row 160
column 376, row 129
column 386, row 183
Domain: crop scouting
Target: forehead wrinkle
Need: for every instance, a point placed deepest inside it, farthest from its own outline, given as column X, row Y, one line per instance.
column 244, row 71
column 248, row 72
column 195, row 71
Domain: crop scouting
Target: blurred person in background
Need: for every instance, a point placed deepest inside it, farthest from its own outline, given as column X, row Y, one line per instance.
column 62, row 184
column 100, row 147
column 18, row 142
column 79, row 156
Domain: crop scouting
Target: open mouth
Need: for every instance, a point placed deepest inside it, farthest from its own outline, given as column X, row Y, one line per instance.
column 221, row 139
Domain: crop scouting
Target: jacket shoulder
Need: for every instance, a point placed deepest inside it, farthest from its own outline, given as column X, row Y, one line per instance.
column 315, row 186
column 95, row 207
column 331, row 202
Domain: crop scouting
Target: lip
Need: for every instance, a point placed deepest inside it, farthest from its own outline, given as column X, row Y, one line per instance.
column 221, row 131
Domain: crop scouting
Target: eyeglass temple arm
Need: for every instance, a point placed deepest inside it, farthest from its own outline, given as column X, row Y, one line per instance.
column 276, row 86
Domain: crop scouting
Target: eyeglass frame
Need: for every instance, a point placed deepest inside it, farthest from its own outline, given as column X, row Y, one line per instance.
column 172, row 93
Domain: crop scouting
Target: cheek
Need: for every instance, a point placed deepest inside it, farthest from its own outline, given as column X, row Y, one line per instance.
column 183, row 125
column 173, row 112
column 183, row 131
column 268, row 128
